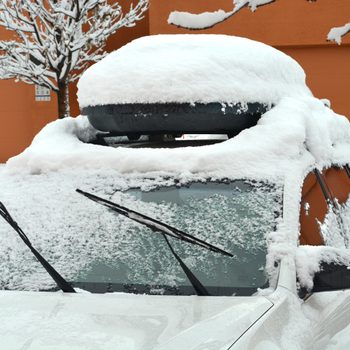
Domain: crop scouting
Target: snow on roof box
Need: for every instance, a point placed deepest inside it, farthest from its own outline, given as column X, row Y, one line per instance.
column 189, row 69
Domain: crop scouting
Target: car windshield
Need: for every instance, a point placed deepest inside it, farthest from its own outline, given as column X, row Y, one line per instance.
column 234, row 216
column 101, row 251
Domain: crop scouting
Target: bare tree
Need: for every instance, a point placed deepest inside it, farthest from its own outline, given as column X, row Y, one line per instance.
column 55, row 40
column 207, row 20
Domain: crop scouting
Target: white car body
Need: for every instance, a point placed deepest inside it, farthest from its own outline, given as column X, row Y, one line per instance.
column 56, row 320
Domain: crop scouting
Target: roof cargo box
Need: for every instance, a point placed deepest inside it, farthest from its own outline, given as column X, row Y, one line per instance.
column 174, row 118
column 187, row 84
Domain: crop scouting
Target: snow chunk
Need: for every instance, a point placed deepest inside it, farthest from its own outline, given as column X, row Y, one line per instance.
column 190, row 69
column 197, row 21
column 336, row 33
column 209, row 19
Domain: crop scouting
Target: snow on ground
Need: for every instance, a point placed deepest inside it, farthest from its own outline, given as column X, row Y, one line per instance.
column 192, row 68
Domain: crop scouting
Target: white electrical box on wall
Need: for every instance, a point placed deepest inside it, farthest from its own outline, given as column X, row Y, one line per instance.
column 42, row 93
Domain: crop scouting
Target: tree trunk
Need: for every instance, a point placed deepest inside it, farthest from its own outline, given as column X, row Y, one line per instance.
column 63, row 100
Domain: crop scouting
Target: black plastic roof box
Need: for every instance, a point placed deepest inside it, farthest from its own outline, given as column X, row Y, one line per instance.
column 174, row 118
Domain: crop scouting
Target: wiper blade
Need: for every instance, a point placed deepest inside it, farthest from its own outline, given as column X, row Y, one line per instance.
column 154, row 224
column 147, row 221
column 60, row 281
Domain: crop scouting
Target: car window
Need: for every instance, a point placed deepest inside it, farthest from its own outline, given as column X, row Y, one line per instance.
column 234, row 216
column 324, row 214
column 312, row 211
column 99, row 250
column 336, row 227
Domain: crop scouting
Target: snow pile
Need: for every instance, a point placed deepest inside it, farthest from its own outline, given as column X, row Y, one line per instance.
column 336, row 33
column 190, row 69
column 206, row 20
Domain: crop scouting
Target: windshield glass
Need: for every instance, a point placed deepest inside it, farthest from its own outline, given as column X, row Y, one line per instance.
column 234, row 216
column 100, row 251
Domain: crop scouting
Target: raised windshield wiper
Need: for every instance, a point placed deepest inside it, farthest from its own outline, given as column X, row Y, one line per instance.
column 60, row 281
column 154, row 224
column 165, row 230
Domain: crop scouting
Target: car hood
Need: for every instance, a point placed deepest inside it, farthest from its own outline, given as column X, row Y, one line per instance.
column 33, row 320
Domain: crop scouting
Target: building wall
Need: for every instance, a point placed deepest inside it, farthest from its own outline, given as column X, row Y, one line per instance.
column 284, row 22
column 297, row 27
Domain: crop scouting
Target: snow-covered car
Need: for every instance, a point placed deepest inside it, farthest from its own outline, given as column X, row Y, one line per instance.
column 225, row 243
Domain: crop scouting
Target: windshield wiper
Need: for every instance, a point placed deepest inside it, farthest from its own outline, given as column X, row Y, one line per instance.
column 60, row 281
column 154, row 224
column 165, row 230
column 196, row 284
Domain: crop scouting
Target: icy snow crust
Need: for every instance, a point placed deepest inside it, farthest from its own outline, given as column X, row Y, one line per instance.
column 192, row 68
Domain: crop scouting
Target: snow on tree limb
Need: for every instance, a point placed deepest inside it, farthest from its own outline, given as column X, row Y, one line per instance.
column 252, row 4
column 336, row 33
column 207, row 20
column 202, row 20
column 54, row 40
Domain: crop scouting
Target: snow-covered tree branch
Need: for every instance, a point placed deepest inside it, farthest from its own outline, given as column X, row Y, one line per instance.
column 55, row 40
column 207, row 20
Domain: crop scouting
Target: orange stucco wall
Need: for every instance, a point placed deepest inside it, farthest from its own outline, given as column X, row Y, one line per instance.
column 284, row 22
column 328, row 73
column 297, row 27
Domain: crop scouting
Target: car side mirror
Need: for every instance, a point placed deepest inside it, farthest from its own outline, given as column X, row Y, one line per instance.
column 331, row 277
column 322, row 269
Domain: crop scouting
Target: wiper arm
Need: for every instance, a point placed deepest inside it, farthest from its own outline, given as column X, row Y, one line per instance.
column 154, row 224
column 196, row 284
column 60, row 281
column 157, row 226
